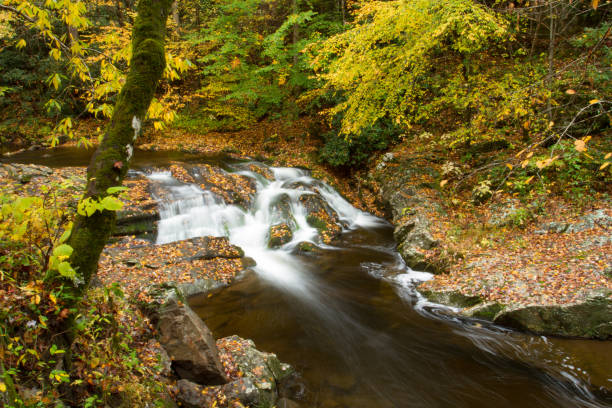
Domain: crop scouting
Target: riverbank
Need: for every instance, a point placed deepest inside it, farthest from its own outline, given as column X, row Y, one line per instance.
column 541, row 264
column 537, row 259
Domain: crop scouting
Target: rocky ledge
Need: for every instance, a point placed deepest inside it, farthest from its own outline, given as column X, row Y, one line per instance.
column 551, row 275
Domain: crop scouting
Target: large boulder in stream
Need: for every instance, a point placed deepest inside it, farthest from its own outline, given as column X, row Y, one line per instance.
column 279, row 235
column 190, row 344
column 321, row 216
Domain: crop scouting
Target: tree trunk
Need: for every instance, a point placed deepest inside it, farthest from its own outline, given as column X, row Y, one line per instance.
column 176, row 17
column 551, row 59
column 110, row 162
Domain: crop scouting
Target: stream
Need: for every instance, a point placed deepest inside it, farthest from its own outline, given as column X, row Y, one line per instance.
column 348, row 316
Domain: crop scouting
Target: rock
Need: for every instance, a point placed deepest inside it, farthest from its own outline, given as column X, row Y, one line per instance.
column 192, row 395
column 321, row 216
column 594, row 219
column 279, row 235
column 504, row 213
column 264, row 369
column 451, row 298
column 232, row 188
column 588, row 221
column 589, row 319
column 281, row 210
column 485, row 310
column 215, row 247
column 140, row 213
column 552, row 227
column 243, row 390
column 261, row 169
column 190, row 344
column 408, row 205
column 165, row 363
column 307, row 248
column 413, row 237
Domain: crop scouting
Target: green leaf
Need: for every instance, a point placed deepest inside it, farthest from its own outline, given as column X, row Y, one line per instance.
column 63, row 250
column 111, row 203
column 118, row 189
column 65, row 235
column 66, row 270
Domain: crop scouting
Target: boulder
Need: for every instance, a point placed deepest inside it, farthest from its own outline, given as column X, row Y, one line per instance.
column 190, row 344
column 281, row 211
column 279, row 235
column 242, row 390
column 589, row 319
column 321, row 216
column 264, row 369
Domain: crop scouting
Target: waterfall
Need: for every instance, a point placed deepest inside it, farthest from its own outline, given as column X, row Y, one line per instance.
column 187, row 211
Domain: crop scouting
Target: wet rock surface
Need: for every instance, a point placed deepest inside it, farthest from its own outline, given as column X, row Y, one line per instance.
column 190, row 344
column 195, row 265
column 279, row 235
column 322, row 217
column 254, row 378
column 409, row 197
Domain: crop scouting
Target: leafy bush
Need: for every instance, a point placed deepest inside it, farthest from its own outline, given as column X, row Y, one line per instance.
column 339, row 150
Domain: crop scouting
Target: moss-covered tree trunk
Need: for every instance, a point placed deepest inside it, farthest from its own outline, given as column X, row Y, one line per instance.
column 111, row 161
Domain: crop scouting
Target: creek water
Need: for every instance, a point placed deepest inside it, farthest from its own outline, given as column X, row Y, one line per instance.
column 348, row 316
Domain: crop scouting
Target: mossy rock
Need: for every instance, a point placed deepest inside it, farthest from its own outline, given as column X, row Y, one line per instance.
column 485, row 311
column 451, row 298
column 590, row 319
column 279, row 235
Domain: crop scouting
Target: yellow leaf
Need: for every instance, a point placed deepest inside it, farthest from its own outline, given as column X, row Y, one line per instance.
column 21, row 43
column 53, row 298
column 525, row 163
column 529, row 155
column 443, row 183
column 603, row 166
column 509, row 166
column 37, row 299
column 607, row 156
column 580, row 145
column 593, row 101
column 2, row 387
column 529, row 180
column 570, row 92
column 595, row 4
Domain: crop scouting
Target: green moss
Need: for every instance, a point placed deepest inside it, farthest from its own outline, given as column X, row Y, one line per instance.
column 316, row 222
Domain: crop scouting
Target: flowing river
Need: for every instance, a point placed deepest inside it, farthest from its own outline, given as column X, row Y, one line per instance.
column 348, row 316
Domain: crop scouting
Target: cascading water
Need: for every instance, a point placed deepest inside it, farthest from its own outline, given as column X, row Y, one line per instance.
column 339, row 316
column 187, row 212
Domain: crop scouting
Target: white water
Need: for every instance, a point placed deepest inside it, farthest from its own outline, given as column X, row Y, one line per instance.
column 188, row 211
